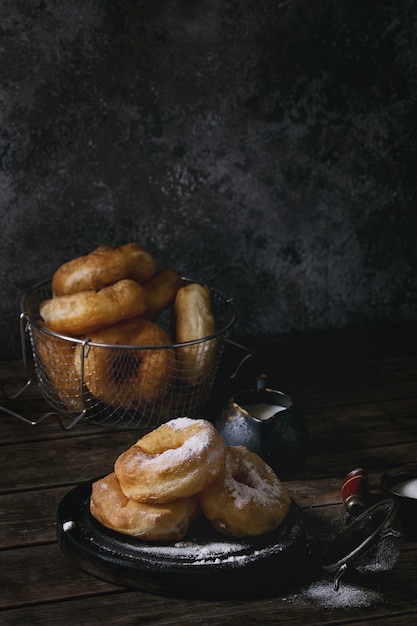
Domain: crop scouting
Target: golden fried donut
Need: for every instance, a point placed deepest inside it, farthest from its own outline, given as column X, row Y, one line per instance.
column 56, row 357
column 84, row 312
column 150, row 522
column 104, row 266
column 162, row 288
column 176, row 460
column 194, row 320
column 249, row 499
column 124, row 377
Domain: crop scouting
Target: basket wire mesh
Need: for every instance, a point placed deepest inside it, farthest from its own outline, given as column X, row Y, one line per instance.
column 125, row 386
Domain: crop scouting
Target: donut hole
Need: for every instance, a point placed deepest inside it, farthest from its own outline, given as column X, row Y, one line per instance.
column 243, row 478
column 155, row 446
column 244, row 475
column 124, row 367
column 128, row 377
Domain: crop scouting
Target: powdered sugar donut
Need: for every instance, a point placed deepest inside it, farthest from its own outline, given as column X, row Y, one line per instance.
column 150, row 522
column 249, row 499
column 176, row 460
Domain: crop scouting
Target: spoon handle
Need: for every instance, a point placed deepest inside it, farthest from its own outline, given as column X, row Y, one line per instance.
column 355, row 491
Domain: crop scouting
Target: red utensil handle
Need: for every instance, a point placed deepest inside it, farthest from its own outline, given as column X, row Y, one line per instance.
column 355, row 490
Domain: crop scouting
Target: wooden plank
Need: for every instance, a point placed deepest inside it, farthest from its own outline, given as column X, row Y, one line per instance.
column 324, row 419
column 16, row 429
column 378, row 459
column 43, row 572
column 361, row 426
column 64, row 461
column 60, row 461
column 130, row 610
column 314, row 601
column 363, row 383
column 29, row 517
column 373, row 342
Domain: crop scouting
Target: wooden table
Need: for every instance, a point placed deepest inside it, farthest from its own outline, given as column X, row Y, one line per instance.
column 358, row 391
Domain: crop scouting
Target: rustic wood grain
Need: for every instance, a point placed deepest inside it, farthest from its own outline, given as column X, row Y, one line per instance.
column 360, row 403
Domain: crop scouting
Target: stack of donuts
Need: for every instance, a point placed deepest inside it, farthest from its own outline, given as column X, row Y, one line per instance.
column 184, row 469
column 114, row 297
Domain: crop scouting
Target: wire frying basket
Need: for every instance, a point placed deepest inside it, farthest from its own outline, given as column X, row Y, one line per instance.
column 124, row 386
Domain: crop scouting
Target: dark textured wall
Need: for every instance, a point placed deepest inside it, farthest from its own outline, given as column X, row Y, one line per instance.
column 266, row 147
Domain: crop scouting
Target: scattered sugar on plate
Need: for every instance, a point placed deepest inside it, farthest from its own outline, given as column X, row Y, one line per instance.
column 197, row 553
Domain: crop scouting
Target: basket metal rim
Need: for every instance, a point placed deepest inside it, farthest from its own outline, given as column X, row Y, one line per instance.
column 87, row 342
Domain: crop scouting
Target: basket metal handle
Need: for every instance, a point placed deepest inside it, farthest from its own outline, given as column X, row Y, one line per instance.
column 24, row 321
column 248, row 354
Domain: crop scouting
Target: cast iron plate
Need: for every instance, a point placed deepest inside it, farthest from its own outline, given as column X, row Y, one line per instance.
column 204, row 564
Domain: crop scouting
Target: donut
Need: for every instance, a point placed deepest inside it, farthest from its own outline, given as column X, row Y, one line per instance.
column 149, row 522
column 102, row 267
column 176, row 460
column 194, row 320
column 85, row 312
column 140, row 264
column 248, row 500
column 128, row 378
column 56, row 362
column 162, row 288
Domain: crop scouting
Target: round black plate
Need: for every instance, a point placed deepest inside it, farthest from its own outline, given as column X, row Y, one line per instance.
column 205, row 564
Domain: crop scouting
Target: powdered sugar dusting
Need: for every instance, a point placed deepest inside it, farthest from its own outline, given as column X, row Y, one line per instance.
column 322, row 593
column 193, row 446
column 199, row 442
column 240, row 493
column 181, row 423
column 255, row 488
column 191, row 553
column 216, row 552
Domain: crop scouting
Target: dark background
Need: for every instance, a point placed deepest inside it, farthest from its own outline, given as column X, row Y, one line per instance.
column 267, row 148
